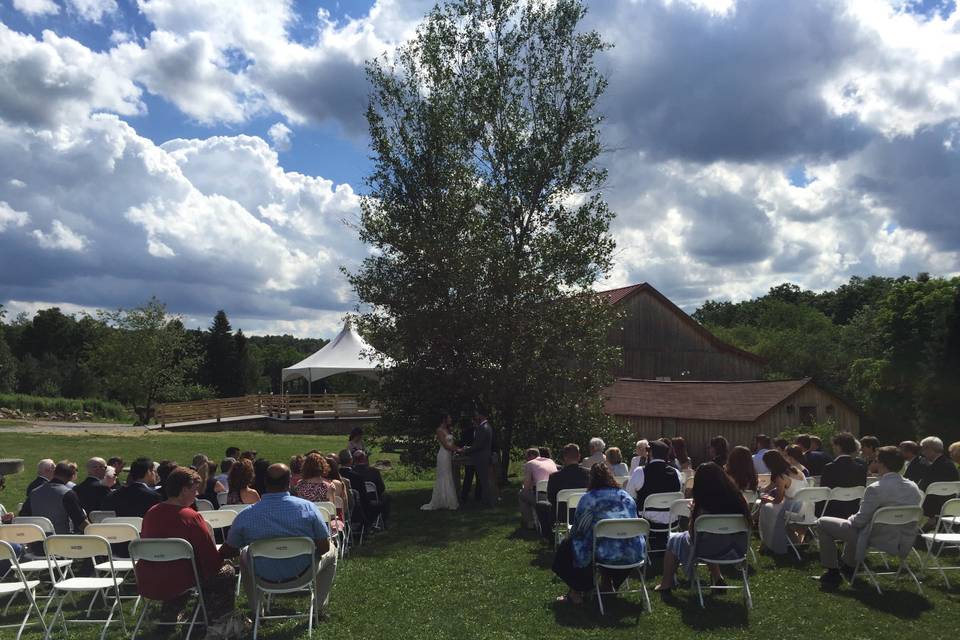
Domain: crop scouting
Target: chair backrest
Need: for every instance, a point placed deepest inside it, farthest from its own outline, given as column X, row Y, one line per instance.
column 235, row 507
column 43, row 523
column 281, row 548
column 325, row 513
column 204, row 505
column 114, row 533
column 622, row 480
column 950, row 508
column 77, row 547
column 661, row 500
column 679, row 509
column 219, row 519
column 131, row 520
column 750, row 496
column 97, row 517
column 161, row 549
column 944, row 489
column 763, row 479
column 371, row 488
column 722, row 524
column 847, row 494
column 222, row 497
column 327, row 506
column 7, row 553
column 814, row 481
column 621, row 528
column 22, row 533
column 812, row 494
column 542, row 486
column 897, row 516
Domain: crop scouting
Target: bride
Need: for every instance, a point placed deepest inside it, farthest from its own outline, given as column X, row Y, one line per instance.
column 444, row 492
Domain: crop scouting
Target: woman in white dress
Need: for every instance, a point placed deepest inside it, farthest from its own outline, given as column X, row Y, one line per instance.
column 444, row 491
column 785, row 481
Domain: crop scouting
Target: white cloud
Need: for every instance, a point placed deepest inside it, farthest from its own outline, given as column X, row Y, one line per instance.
column 9, row 217
column 93, row 10
column 280, row 135
column 36, row 7
column 60, row 237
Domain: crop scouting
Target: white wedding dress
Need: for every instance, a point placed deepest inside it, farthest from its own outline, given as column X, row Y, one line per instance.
column 444, row 491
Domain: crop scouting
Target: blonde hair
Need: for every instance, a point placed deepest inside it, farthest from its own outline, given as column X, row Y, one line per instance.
column 202, row 465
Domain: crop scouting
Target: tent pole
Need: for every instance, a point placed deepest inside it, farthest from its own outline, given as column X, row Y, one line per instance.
column 310, row 383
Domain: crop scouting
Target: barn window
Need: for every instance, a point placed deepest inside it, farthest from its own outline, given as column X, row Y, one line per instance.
column 789, row 409
column 808, row 415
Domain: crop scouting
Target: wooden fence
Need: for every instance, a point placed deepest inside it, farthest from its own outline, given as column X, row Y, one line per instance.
column 287, row 407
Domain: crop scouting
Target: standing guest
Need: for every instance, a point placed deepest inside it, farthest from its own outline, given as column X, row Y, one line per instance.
column 740, row 469
column 718, row 449
column 365, row 473
column 604, row 500
column 813, row 459
column 117, row 463
column 171, row 582
column 467, row 433
column 890, row 490
column 570, row 476
column 954, row 452
column 656, row 477
column 679, row 446
column 296, row 470
column 56, row 502
column 535, row 469
column 44, row 474
column 280, row 515
column 260, row 466
column 844, row 471
column 355, row 443
column 941, row 469
column 794, row 455
column 164, row 469
column 785, row 481
column 314, row 485
column 868, row 453
column 597, row 446
column 916, row 464
column 223, row 476
column 615, row 459
column 640, row 453
column 136, row 498
column 210, row 487
column 92, row 490
column 761, row 446
column 714, row 493
column 238, row 483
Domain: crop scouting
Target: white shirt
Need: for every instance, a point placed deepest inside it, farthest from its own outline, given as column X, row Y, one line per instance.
column 586, row 463
column 633, row 487
column 758, row 461
column 635, row 463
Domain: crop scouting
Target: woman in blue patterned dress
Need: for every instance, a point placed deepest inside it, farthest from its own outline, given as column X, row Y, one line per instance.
column 573, row 562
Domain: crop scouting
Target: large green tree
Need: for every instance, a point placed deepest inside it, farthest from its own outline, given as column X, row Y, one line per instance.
column 487, row 220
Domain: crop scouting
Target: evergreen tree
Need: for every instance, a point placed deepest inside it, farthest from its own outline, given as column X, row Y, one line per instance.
column 221, row 363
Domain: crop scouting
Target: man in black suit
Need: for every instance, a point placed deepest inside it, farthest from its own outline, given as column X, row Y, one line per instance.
column 815, row 461
column 469, row 471
column 136, row 498
column 844, row 471
column 570, row 476
column 941, row 469
column 916, row 468
column 372, row 505
column 92, row 491
column 44, row 475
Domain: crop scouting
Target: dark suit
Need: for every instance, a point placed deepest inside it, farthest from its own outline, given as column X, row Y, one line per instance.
column 365, row 473
column 815, row 461
column 844, row 471
column 940, row 470
column 916, row 470
column 39, row 480
column 359, row 515
column 132, row 500
column 571, row 476
column 469, row 471
column 91, row 493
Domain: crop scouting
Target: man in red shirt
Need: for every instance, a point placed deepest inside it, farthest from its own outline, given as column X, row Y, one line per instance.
column 169, row 581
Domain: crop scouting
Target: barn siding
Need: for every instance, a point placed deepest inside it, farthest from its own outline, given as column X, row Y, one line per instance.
column 779, row 418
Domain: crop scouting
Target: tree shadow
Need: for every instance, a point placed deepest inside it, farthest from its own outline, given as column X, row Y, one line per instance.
column 902, row 603
column 621, row 612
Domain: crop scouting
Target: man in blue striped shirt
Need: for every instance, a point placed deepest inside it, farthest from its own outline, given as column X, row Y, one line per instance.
column 280, row 515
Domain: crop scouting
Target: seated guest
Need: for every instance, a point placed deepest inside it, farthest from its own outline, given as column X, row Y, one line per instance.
column 92, row 491
column 916, row 464
column 571, row 476
column 357, row 514
column 740, row 469
column 535, row 469
column 615, row 459
column 238, row 483
column 573, row 561
column 814, row 459
column 596, row 453
column 365, row 473
column 117, row 464
column 296, row 470
column 44, row 474
column 761, row 446
column 56, row 502
column 232, row 452
column 640, row 455
column 260, row 466
column 941, row 469
column 210, row 487
column 164, row 469
column 110, row 478
column 224, row 475
column 715, row 493
column 671, row 456
column 355, row 441
column 816, row 444
column 136, row 498
column 780, row 444
column 794, row 455
column 785, row 481
column 656, row 477
column 890, row 490
column 718, row 449
column 314, row 485
column 954, row 452
column 679, row 446
column 170, row 582
column 250, row 455
column 868, row 453
column 280, row 515
column 338, row 489
column 844, row 471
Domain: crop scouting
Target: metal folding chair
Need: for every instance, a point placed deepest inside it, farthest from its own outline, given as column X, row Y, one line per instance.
column 902, row 517
column 21, row 585
column 622, row 529
column 660, row 502
column 373, row 497
column 204, row 505
column 134, row 521
column 942, row 538
column 281, row 549
column 96, row 517
column 707, row 525
column 561, row 525
column 169, row 550
column 805, row 519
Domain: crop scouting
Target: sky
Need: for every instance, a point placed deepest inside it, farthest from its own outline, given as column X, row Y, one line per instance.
column 212, row 153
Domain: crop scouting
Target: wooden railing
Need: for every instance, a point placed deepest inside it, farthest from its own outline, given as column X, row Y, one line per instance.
column 288, row 406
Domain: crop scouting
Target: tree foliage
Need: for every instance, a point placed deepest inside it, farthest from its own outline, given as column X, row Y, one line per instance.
column 487, row 220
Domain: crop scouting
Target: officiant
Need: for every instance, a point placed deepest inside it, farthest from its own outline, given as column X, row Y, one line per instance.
column 467, row 429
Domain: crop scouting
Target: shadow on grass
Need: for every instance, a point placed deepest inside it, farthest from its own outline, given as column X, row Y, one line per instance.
column 903, row 604
column 721, row 612
column 622, row 612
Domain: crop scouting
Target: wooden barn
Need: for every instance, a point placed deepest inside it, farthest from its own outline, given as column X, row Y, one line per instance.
column 700, row 410
column 660, row 341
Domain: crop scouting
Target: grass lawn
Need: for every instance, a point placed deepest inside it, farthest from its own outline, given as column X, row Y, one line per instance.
column 475, row 574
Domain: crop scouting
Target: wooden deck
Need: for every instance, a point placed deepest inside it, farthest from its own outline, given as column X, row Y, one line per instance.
column 287, row 407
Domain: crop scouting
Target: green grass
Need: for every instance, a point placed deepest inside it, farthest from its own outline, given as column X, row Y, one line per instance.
column 475, row 574
column 102, row 410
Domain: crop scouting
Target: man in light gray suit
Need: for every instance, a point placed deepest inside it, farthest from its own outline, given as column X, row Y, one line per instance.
column 480, row 453
column 891, row 490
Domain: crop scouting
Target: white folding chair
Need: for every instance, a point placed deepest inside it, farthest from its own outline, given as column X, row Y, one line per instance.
column 941, row 538
column 329, row 511
column 678, row 509
column 204, row 505
column 218, row 521
column 660, row 502
column 222, row 497
column 622, row 481
column 707, row 525
column 21, row 585
column 542, row 490
column 168, row 550
column 114, row 533
column 904, row 518
column 26, row 534
column 374, row 499
column 621, row 529
column 79, row 547
column 235, row 507
column 135, row 522
column 814, row 481
column 560, row 525
column 282, row 549
column 40, row 521
column 96, row 517
column 805, row 519
column 949, row 489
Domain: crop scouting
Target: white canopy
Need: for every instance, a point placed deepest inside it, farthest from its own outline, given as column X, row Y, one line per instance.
column 347, row 353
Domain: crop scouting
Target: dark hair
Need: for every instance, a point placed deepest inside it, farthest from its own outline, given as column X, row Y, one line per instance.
column 778, row 465
column 891, row 457
column 780, row 443
column 250, row 455
column 112, row 462
column 720, row 447
column 659, row 450
column 232, row 452
column 601, row 477
column 679, row 446
column 815, row 440
column 910, row 446
column 614, row 456
column 314, row 466
column 278, row 479
column 296, row 464
column 763, row 440
column 355, row 432
column 803, row 440
column 845, row 443
column 241, row 475
column 65, row 470
column 714, row 492
column 869, row 441
column 545, row 452
column 333, row 467
column 178, row 479
column 260, row 466
column 571, row 450
column 164, row 469
column 480, row 410
column 741, row 469
column 345, row 457
column 225, row 464
column 139, row 469
column 795, row 451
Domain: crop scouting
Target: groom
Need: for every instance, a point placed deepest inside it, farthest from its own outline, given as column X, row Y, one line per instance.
column 480, row 454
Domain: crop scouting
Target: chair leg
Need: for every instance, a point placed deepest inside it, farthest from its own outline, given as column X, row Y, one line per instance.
column 193, row 620
column 32, row 605
column 256, row 617
column 746, row 586
column 696, row 581
column 146, row 605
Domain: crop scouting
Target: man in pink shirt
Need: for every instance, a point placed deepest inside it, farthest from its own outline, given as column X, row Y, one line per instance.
column 536, row 468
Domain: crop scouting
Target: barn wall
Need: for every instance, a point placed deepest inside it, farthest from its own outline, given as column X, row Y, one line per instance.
column 696, row 433
column 826, row 407
column 656, row 342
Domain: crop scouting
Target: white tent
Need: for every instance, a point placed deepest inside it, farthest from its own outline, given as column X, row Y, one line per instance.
column 347, row 353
